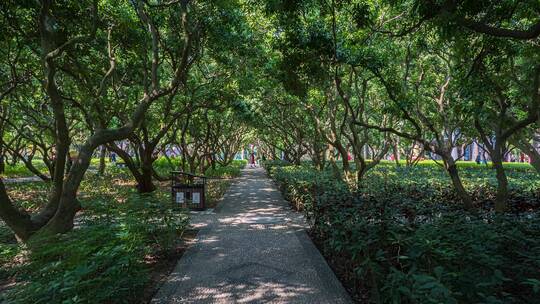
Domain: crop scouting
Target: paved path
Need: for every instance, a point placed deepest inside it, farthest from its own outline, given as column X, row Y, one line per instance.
column 253, row 250
column 27, row 179
column 14, row 180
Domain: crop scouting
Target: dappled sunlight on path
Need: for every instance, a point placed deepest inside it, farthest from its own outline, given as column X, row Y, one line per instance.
column 253, row 249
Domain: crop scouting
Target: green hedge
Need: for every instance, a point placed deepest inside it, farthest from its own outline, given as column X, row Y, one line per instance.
column 466, row 164
column 232, row 170
column 163, row 166
column 270, row 165
column 405, row 239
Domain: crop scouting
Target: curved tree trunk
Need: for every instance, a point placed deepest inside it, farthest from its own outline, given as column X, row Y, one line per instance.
column 142, row 172
column 453, row 172
column 395, row 151
column 101, row 168
column 502, row 182
column 344, row 158
column 2, row 162
column 33, row 169
column 68, row 204
column 360, row 173
column 145, row 183
column 30, row 166
column 528, row 149
column 332, row 161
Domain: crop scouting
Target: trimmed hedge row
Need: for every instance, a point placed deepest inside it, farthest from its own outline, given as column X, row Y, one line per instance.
column 405, row 239
column 232, row 170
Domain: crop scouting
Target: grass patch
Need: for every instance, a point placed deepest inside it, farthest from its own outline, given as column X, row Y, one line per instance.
column 20, row 170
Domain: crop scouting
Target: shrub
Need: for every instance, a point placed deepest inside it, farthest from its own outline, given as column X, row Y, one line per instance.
column 232, row 170
column 270, row 165
column 163, row 167
column 405, row 239
column 105, row 259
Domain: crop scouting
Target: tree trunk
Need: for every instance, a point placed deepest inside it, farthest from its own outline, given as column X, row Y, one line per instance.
column 360, row 173
column 142, row 171
column 344, row 158
column 2, row 163
column 317, row 161
column 332, row 161
column 101, row 169
column 502, row 182
column 273, row 154
column 144, row 182
column 30, row 166
column 228, row 159
column 213, row 162
column 395, row 150
column 452, row 170
column 192, row 165
column 297, row 158
column 49, row 164
column 68, row 205
column 528, row 149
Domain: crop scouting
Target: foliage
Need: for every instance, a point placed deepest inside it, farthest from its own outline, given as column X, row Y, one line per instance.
column 108, row 256
column 404, row 239
column 184, row 85
column 270, row 165
column 104, row 259
column 230, row 171
column 20, row 170
column 9, row 249
column 163, row 166
column 525, row 167
column 408, row 79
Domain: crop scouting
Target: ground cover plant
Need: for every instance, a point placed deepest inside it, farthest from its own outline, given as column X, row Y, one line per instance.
column 120, row 241
column 404, row 237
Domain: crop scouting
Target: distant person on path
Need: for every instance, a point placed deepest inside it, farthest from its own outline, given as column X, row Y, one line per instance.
column 252, row 159
column 113, row 157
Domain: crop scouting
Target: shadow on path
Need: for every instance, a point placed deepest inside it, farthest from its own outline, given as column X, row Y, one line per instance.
column 254, row 249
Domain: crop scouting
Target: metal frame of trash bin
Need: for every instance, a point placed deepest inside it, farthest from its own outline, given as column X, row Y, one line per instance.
column 188, row 190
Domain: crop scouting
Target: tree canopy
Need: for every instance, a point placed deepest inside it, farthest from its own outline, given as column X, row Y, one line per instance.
column 332, row 81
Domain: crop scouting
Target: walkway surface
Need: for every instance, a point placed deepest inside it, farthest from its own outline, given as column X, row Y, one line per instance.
column 254, row 249
column 28, row 179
